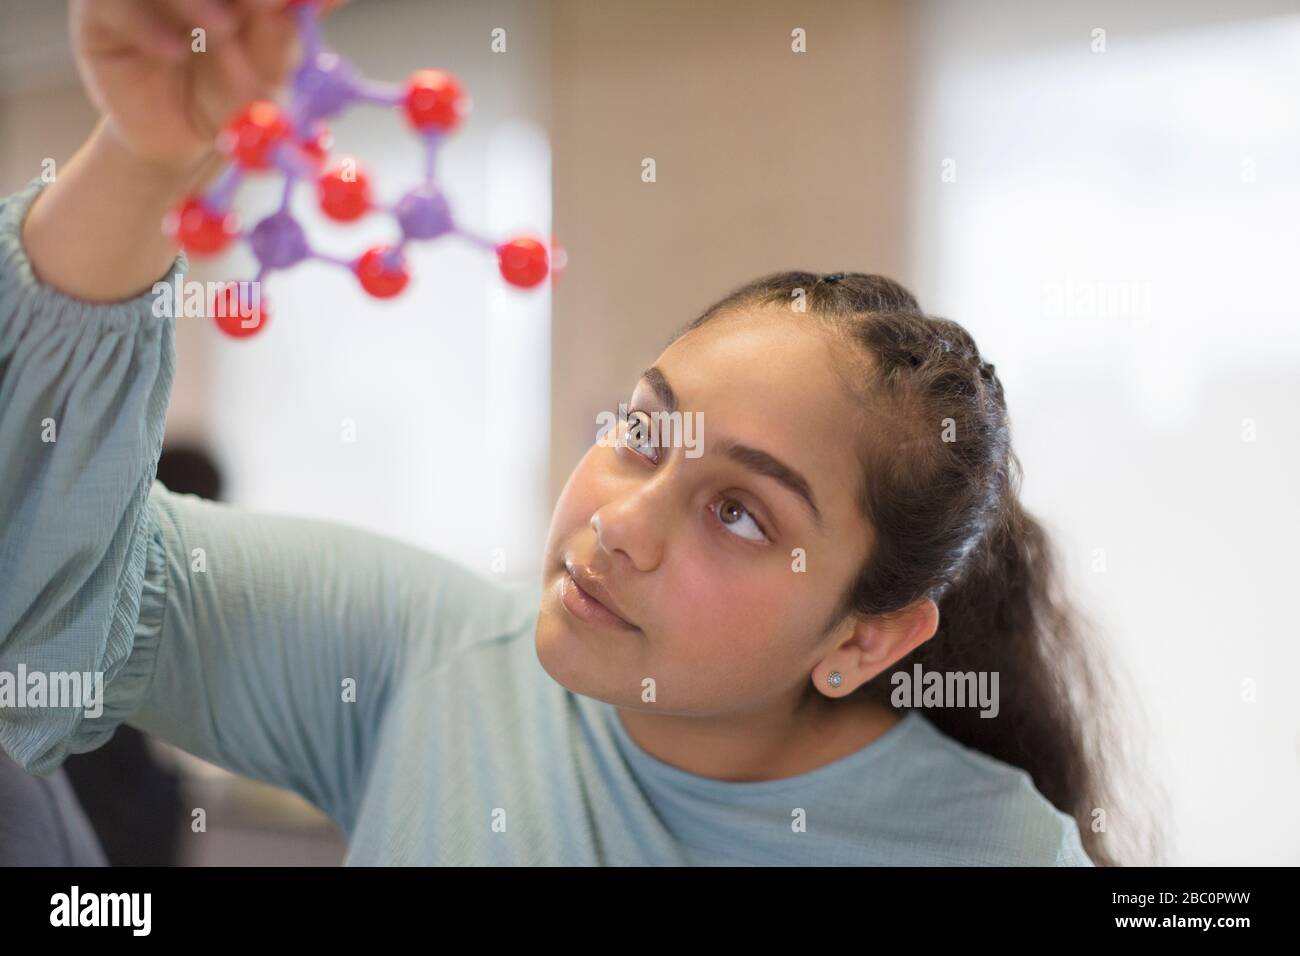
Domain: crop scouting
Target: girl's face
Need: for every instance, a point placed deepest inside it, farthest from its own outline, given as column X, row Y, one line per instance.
column 726, row 560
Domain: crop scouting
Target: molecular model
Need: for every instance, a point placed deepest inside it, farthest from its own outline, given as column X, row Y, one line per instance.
column 295, row 142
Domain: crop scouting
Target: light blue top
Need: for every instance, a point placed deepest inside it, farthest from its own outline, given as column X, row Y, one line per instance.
column 458, row 748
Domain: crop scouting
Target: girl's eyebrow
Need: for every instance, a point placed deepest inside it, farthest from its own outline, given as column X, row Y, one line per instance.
column 755, row 459
column 655, row 379
column 762, row 463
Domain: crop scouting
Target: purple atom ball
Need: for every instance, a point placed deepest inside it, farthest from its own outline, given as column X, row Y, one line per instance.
column 278, row 242
column 423, row 213
column 325, row 83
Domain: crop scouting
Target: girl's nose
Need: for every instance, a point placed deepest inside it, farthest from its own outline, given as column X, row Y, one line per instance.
column 636, row 524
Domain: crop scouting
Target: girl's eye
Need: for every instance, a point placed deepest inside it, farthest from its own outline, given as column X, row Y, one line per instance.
column 735, row 517
column 637, row 435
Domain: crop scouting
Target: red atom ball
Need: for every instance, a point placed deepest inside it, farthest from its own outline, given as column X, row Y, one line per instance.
column 435, row 100
column 524, row 262
column 344, row 193
column 379, row 278
column 237, row 322
column 251, row 137
column 196, row 228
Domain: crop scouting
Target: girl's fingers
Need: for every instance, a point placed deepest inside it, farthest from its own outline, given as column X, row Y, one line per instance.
column 249, row 50
column 213, row 97
column 215, row 17
column 272, row 45
column 131, row 24
column 222, row 15
column 239, row 79
column 227, row 76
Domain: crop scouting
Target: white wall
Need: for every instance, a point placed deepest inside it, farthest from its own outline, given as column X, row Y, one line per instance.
column 1121, row 240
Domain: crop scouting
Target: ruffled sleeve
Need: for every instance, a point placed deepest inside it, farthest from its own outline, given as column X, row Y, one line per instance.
column 84, row 390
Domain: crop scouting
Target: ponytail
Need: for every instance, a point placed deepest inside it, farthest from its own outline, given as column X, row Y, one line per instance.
column 1009, row 616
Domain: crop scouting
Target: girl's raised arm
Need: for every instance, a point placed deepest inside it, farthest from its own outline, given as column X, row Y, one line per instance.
column 269, row 645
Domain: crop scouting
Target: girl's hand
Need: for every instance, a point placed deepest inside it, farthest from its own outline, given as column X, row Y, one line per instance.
column 162, row 99
column 95, row 232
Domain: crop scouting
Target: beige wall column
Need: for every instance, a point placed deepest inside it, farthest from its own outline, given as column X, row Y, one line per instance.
column 765, row 159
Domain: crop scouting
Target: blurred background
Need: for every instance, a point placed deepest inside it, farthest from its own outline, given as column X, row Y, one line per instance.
column 1105, row 194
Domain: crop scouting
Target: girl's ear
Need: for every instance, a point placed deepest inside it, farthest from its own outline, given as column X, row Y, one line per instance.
column 875, row 643
column 894, row 636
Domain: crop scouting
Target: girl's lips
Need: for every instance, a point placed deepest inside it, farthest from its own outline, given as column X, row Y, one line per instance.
column 586, row 608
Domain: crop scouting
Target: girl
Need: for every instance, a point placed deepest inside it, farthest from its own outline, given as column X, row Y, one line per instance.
column 703, row 675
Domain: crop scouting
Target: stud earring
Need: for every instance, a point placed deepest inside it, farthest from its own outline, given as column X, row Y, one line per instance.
column 834, row 678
